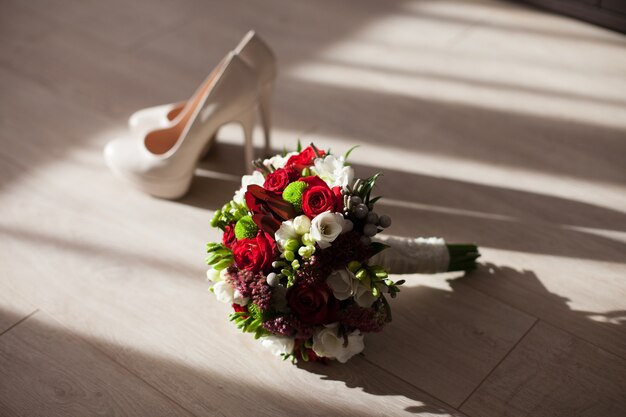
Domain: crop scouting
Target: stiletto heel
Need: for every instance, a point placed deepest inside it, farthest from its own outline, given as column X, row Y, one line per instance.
column 265, row 107
column 207, row 148
column 163, row 163
column 247, row 120
column 255, row 52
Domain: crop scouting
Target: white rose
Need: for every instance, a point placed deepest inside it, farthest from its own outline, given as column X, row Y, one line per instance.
column 363, row 296
column 256, row 178
column 327, row 343
column 333, row 171
column 302, row 224
column 224, row 292
column 343, row 284
column 326, row 227
column 278, row 161
column 278, row 345
column 285, row 232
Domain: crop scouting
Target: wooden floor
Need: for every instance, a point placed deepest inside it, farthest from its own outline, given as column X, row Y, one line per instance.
column 493, row 122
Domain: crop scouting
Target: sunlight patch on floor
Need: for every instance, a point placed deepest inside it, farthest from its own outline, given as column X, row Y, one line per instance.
column 465, row 54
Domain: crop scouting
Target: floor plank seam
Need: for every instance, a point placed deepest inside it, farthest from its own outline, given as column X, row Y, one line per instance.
column 409, row 383
column 569, row 332
column 121, row 365
column 17, row 323
column 498, row 364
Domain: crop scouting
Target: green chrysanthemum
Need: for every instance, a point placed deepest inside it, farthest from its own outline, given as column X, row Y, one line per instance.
column 245, row 228
column 293, row 194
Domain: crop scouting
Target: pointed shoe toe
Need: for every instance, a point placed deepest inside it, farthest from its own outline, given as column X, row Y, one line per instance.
column 130, row 163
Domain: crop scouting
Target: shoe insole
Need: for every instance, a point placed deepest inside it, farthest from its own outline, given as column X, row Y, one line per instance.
column 160, row 141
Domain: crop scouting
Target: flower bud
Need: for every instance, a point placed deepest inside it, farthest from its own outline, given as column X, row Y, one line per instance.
column 213, row 275
column 308, row 240
column 375, row 291
column 272, row 279
column 361, row 274
column 302, row 224
column 306, row 251
column 292, row 245
column 354, row 266
column 289, row 255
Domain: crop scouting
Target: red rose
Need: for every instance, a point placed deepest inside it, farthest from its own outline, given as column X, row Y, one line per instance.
column 279, row 179
column 228, row 239
column 317, row 200
column 313, row 304
column 318, row 197
column 304, row 159
column 255, row 254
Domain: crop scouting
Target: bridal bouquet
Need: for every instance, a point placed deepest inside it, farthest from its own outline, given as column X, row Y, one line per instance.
column 300, row 262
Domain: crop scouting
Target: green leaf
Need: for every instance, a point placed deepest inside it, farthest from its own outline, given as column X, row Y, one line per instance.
column 347, row 154
column 378, row 247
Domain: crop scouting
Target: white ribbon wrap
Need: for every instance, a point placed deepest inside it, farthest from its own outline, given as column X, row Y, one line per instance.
column 412, row 255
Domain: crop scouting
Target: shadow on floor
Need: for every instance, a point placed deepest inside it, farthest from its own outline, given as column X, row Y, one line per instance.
column 456, row 210
column 446, row 346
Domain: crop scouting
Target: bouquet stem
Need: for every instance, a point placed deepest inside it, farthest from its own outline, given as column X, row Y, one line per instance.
column 462, row 256
column 424, row 255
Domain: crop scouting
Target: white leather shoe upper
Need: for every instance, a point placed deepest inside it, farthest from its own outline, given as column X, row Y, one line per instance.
column 252, row 49
column 162, row 163
column 151, row 118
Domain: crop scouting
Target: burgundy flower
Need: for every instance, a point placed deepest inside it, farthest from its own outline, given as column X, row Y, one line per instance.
column 261, row 201
column 304, row 159
column 313, row 303
column 255, row 254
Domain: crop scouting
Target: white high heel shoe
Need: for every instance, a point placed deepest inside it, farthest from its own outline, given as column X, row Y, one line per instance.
column 257, row 54
column 163, row 162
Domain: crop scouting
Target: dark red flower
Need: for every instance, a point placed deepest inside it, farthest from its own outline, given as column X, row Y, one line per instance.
column 313, row 303
column 304, row 159
column 338, row 199
column 261, row 201
column 239, row 308
column 255, row 254
column 279, row 179
column 228, row 238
